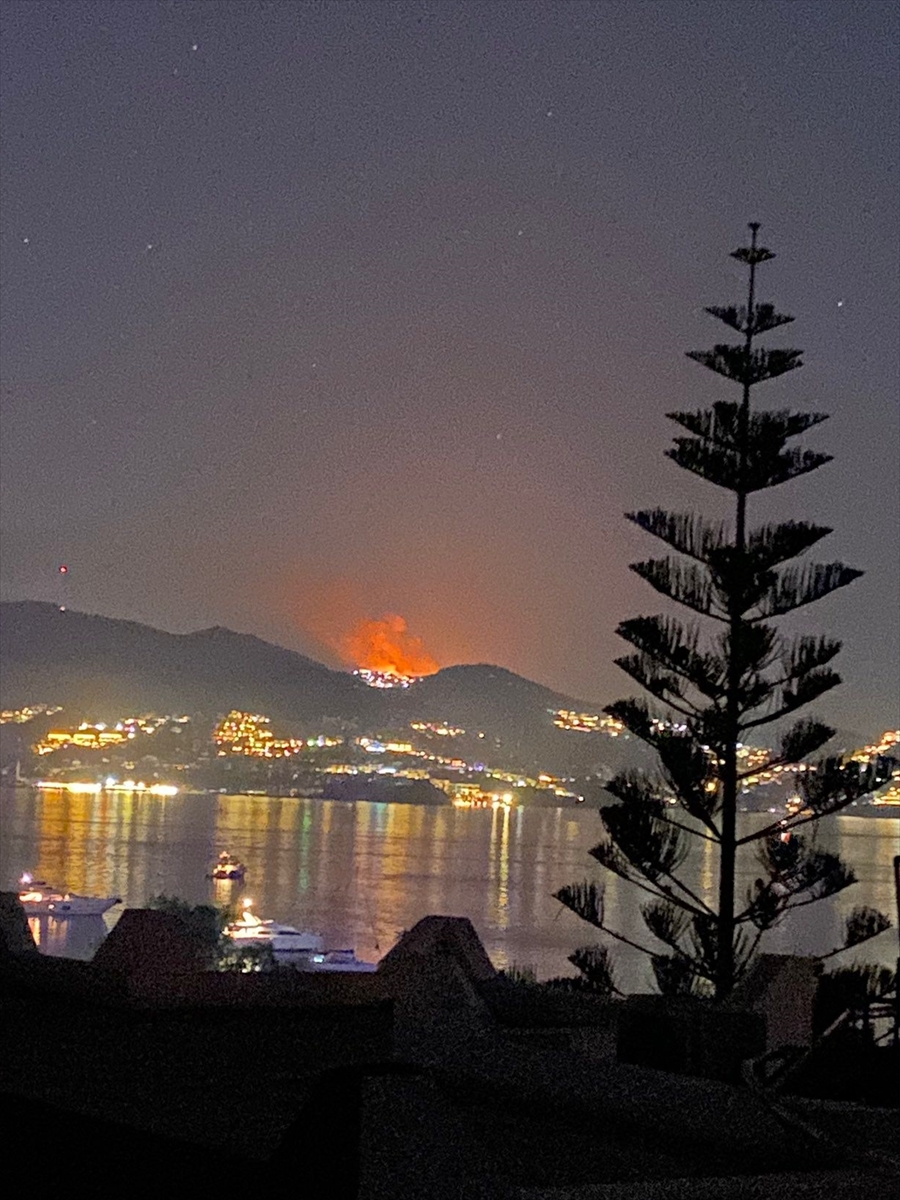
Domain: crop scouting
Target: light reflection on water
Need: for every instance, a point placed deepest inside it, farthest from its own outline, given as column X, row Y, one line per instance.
column 360, row 873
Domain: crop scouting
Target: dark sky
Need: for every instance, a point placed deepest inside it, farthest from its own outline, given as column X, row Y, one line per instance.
column 320, row 311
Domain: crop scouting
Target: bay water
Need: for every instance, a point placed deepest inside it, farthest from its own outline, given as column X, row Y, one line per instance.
column 361, row 873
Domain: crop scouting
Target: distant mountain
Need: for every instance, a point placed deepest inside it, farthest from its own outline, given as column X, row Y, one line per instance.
column 98, row 663
column 100, row 666
column 512, row 710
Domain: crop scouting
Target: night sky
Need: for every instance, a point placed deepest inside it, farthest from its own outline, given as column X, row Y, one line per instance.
column 314, row 312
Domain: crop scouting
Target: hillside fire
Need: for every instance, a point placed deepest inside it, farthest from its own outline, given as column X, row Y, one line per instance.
column 386, row 654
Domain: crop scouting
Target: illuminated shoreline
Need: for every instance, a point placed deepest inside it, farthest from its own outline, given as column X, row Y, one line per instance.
column 94, row 789
column 885, row 808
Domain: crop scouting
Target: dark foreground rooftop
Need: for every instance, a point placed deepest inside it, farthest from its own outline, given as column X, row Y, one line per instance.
column 431, row 1079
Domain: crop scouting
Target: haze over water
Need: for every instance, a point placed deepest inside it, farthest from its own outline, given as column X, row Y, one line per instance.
column 360, row 873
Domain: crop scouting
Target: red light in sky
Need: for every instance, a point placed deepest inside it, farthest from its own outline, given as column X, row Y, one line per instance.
column 63, row 570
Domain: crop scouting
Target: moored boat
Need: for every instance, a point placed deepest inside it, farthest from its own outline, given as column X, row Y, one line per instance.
column 285, row 941
column 40, row 899
column 227, row 867
column 296, row 947
column 340, row 960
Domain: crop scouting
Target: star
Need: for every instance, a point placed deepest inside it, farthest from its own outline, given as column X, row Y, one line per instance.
column 26, row 241
column 195, row 46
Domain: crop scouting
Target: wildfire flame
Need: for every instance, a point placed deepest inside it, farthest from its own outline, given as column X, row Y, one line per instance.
column 387, row 646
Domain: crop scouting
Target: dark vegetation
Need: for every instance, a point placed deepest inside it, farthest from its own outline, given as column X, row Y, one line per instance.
column 206, row 924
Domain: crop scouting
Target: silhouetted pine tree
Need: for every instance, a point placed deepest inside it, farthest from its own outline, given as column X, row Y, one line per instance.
column 719, row 681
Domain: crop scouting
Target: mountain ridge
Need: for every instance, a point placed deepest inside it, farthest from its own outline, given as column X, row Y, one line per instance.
column 98, row 665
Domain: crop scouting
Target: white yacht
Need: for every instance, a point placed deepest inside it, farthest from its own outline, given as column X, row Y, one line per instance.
column 289, row 945
column 286, row 941
column 41, row 899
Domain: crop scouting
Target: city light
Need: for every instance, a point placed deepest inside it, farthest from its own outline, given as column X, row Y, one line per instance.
column 21, row 716
column 385, row 679
column 587, row 722
column 98, row 735
column 440, row 728
column 79, row 788
column 249, row 734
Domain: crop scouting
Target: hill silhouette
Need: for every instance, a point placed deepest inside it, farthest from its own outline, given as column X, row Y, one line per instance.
column 100, row 663
column 100, row 666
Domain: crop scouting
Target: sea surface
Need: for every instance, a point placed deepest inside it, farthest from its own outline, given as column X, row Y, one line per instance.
column 361, row 873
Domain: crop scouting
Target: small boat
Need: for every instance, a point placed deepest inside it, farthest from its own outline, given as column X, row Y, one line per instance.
column 340, row 960
column 227, row 867
column 40, row 899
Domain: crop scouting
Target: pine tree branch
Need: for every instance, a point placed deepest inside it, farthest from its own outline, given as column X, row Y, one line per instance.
column 796, row 587
column 716, row 426
column 752, row 255
column 673, row 645
column 685, row 762
column 683, row 583
column 594, row 964
column 766, row 908
column 738, row 317
column 770, row 545
column 789, row 907
column 804, row 738
column 863, row 924
column 587, row 902
column 627, row 941
column 801, row 740
column 766, row 766
column 816, row 684
column 693, row 832
column 615, row 858
column 669, row 928
column 658, row 685
column 769, row 430
column 789, row 824
column 703, row 907
column 785, row 825
column 688, row 534
column 760, row 472
column 849, row 782
column 751, row 771
column 831, row 953
column 803, row 655
column 747, row 367
column 633, row 874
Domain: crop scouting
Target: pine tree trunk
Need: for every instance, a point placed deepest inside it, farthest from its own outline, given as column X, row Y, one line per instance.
column 728, row 849
column 728, row 843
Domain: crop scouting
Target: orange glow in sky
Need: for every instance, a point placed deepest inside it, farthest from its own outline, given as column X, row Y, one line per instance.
column 386, row 645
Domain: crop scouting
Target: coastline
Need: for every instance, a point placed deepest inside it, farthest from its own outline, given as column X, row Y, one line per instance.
column 883, row 810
